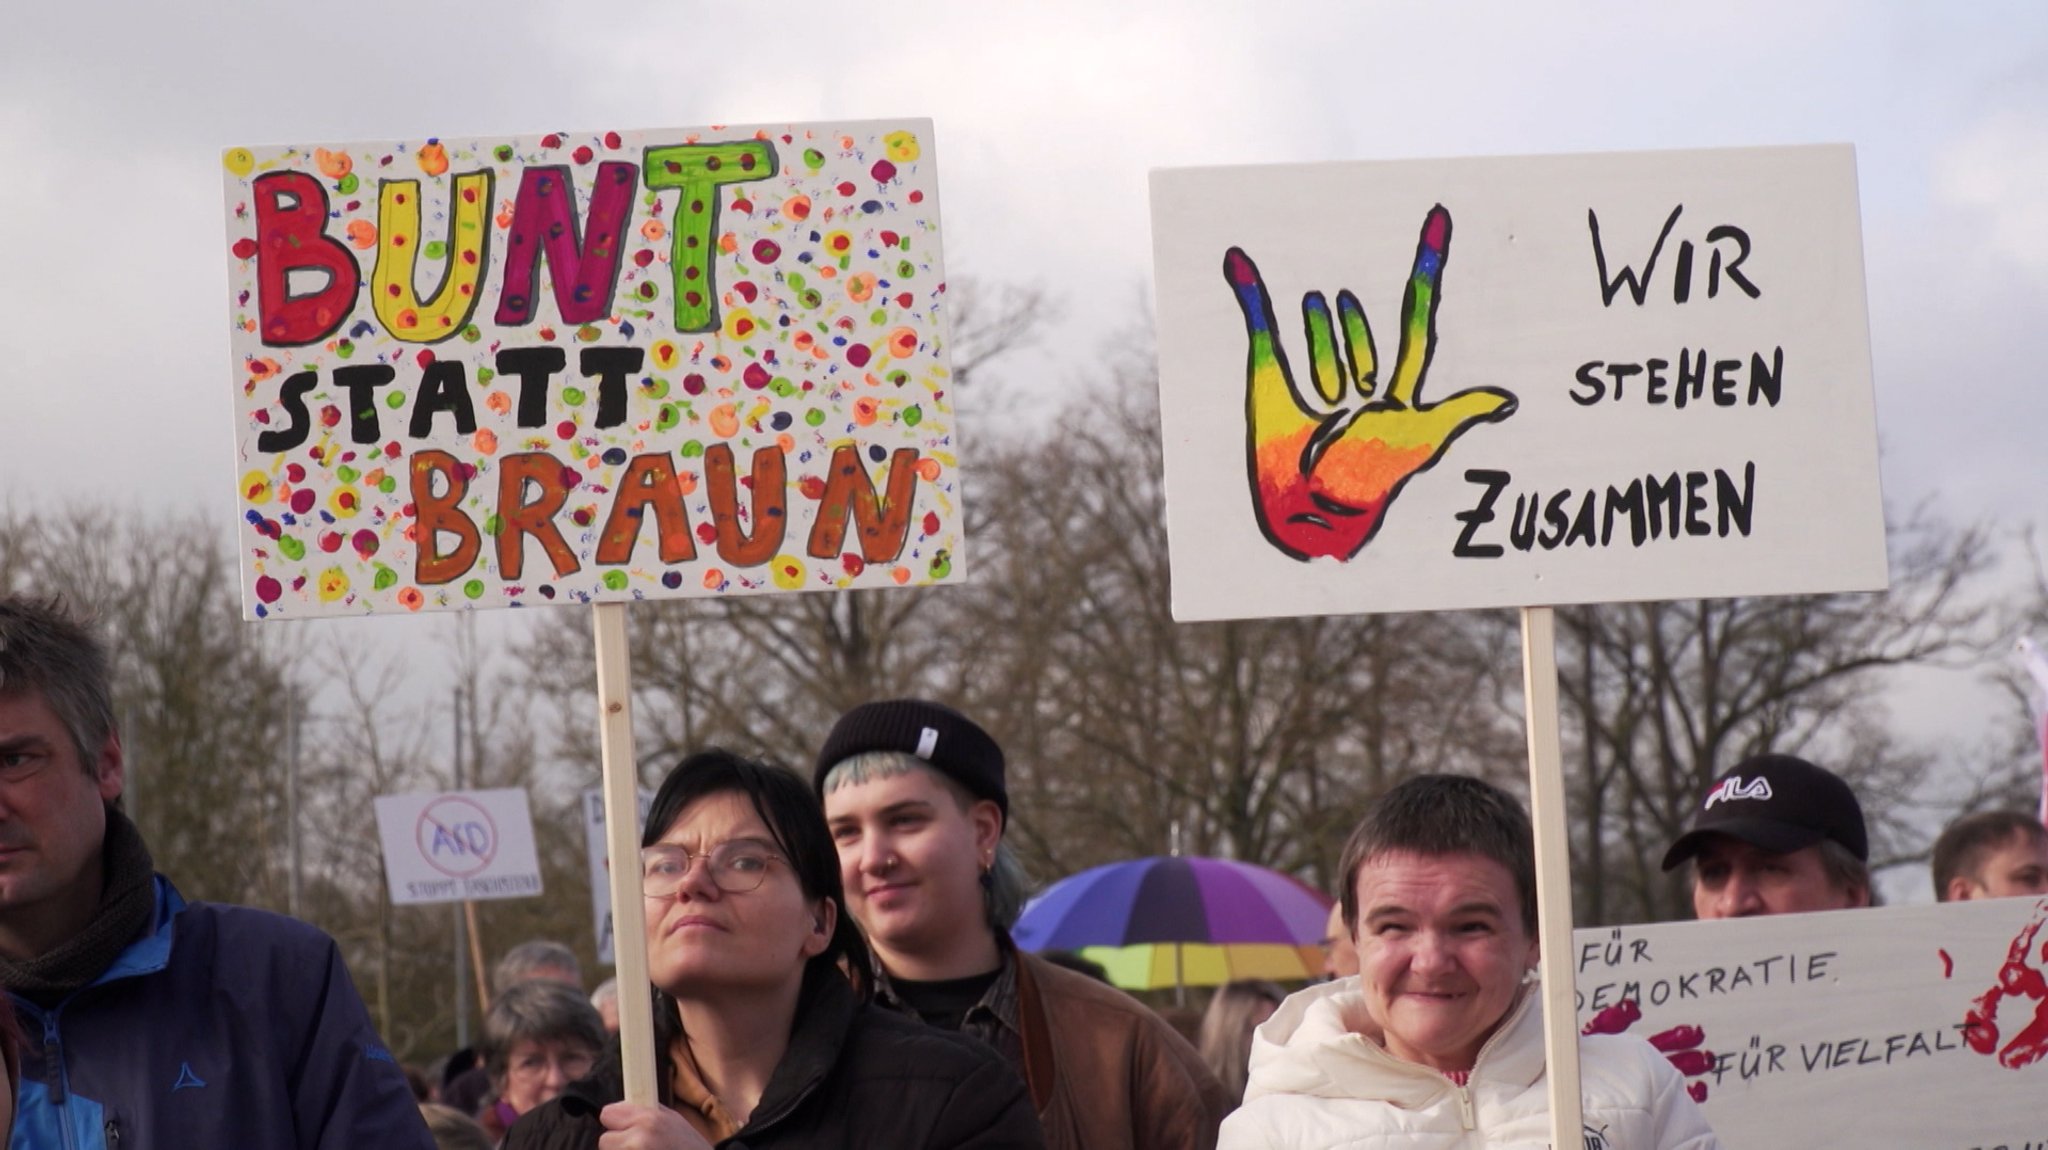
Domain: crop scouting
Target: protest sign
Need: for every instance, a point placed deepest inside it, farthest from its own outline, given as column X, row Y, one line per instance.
column 1921, row 1026
column 600, row 884
column 457, row 846
column 1647, row 376
column 1515, row 382
column 589, row 367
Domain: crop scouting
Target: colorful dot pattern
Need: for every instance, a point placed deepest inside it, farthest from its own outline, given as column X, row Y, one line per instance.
column 823, row 343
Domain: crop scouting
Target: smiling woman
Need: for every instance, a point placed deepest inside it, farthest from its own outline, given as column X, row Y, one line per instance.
column 1440, row 898
column 763, row 1029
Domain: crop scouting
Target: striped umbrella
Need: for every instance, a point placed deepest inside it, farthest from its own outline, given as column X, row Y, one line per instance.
column 1179, row 922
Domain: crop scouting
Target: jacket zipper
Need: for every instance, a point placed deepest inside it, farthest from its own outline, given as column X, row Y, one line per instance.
column 1465, row 1114
column 53, row 1074
column 53, row 1061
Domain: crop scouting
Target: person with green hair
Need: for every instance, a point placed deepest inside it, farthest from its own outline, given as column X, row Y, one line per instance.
column 915, row 796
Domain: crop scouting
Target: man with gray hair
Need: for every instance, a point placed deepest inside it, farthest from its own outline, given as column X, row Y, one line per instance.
column 916, row 800
column 154, row 1021
column 536, row 959
column 1775, row 835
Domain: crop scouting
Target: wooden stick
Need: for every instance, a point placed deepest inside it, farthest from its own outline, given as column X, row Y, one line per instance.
column 476, row 959
column 622, row 850
column 1553, row 873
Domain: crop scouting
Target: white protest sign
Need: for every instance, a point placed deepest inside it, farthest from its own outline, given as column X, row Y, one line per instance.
column 458, row 845
column 1515, row 382
column 1920, row 1026
column 599, row 366
column 600, row 886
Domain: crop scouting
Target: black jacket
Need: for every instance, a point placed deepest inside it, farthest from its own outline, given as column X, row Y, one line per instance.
column 855, row 1076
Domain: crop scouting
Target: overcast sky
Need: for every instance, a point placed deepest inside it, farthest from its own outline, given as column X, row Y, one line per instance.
column 114, row 367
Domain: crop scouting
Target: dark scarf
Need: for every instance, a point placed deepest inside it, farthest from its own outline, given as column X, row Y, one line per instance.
column 127, row 904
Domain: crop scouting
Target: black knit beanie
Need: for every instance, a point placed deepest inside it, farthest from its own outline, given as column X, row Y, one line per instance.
column 934, row 732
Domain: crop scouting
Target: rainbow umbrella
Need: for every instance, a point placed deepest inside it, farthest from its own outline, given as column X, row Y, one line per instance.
column 1180, row 922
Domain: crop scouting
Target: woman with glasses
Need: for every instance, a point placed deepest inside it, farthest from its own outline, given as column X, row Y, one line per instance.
column 764, row 1036
column 538, row 1037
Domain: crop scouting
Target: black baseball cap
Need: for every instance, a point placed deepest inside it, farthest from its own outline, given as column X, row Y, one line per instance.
column 1777, row 802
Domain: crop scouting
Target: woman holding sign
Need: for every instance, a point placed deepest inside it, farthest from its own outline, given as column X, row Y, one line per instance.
column 1439, row 1040
column 761, row 1036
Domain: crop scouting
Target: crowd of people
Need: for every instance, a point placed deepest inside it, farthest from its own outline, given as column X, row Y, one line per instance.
column 832, row 965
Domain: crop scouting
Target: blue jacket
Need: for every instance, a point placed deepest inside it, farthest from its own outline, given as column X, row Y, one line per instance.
column 224, row 1027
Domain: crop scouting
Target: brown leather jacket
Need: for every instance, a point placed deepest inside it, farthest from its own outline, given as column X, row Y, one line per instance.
column 1105, row 1073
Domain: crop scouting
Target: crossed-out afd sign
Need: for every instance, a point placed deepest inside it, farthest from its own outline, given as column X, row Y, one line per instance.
column 458, row 845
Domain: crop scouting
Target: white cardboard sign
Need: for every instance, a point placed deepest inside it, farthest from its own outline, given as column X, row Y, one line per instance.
column 1515, row 382
column 1920, row 1026
column 457, row 846
column 589, row 366
column 600, row 887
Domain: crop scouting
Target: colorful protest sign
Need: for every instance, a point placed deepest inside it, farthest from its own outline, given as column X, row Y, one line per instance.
column 589, row 367
column 1515, row 382
column 1921, row 1026
column 600, row 884
column 457, row 846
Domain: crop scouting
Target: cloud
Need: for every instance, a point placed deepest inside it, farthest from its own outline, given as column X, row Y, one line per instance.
column 1997, row 173
column 1048, row 118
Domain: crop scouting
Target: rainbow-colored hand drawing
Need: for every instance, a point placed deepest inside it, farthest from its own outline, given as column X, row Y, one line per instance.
column 1323, row 473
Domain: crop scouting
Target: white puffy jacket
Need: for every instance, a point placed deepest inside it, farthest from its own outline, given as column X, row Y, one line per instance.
column 1318, row 1084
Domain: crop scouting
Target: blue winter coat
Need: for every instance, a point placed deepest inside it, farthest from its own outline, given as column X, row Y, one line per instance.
column 224, row 1027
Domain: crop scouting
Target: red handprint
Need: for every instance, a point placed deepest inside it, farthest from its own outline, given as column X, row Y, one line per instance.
column 2018, row 978
column 1680, row 1044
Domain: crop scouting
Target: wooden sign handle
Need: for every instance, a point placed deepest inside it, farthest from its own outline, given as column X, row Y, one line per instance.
column 476, row 957
column 622, row 852
column 1553, row 873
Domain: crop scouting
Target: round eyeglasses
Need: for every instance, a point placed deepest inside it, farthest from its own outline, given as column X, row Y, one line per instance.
column 737, row 867
column 535, row 1060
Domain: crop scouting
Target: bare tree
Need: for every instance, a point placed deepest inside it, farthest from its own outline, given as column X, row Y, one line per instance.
column 377, row 738
column 200, row 698
column 2005, row 769
column 1659, row 698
